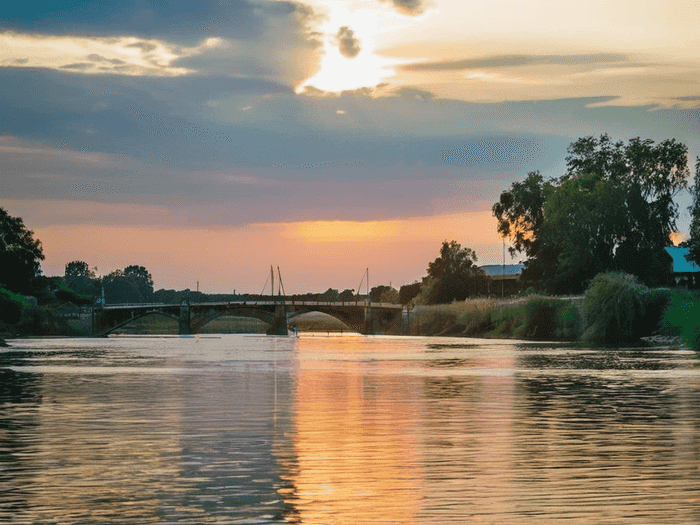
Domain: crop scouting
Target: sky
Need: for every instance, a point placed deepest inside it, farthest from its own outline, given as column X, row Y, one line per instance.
column 210, row 140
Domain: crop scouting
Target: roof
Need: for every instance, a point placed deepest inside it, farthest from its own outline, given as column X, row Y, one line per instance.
column 498, row 271
column 680, row 263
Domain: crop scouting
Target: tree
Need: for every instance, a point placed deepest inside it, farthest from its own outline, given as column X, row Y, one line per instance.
column 134, row 284
column 408, row 291
column 693, row 242
column 613, row 210
column 453, row 275
column 78, row 269
column 20, row 254
column 141, row 278
column 81, row 279
column 384, row 294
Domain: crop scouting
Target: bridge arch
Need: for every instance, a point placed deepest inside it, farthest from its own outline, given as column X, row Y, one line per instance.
column 198, row 322
column 140, row 316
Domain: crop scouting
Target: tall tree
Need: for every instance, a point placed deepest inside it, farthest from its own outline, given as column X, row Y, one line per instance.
column 81, row 279
column 78, row 269
column 141, row 278
column 694, row 239
column 613, row 209
column 453, row 275
column 20, row 254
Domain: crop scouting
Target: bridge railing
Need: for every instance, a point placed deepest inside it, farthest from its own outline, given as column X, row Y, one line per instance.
column 277, row 301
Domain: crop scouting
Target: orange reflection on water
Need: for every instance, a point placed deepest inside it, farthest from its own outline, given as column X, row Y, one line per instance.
column 357, row 459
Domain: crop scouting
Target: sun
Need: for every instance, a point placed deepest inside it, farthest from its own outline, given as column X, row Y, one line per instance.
column 368, row 22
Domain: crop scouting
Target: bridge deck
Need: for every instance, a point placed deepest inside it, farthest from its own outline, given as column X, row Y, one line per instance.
column 287, row 302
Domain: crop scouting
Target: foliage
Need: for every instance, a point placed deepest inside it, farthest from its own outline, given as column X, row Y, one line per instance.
column 81, row 279
column 11, row 306
column 78, row 269
column 613, row 209
column 614, row 309
column 408, row 291
column 693, row 242
column 132, row 285
column 346, row 295
column 20, row 254
column 682, row 317
column 453, row 275
column 384, row 294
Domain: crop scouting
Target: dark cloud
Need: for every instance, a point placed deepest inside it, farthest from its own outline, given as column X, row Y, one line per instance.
column 184, row 21
column 409, row 7
column 347, row 43
column 518, row 60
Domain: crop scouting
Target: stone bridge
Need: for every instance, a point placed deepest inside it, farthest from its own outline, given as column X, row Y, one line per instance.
column 362, row 316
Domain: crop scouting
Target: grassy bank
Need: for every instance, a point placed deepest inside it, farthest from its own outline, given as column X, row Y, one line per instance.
column 533, row 317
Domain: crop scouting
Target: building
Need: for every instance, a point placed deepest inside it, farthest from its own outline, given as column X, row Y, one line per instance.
column 504, row 279
column 685, row 273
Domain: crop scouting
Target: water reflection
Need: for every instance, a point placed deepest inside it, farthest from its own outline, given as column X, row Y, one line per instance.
column 347, row 430
column 355, row 449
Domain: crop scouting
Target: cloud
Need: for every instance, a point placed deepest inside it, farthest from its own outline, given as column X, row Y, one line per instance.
column 408, row 7
column 130, row 56
column 348, row 44
column 517, row 60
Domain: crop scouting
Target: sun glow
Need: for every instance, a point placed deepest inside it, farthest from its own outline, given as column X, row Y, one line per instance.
column 367, row 68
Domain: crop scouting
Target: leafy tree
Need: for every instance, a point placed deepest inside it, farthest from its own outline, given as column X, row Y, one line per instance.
column 134, row 284
column 453, row 275
column 329, row 295
column 141, row 278
column 408, row 291
column 384, row 294
column 78, row 269
column 693, row 242
column 81, row 279
column 613, row 209
column 20, row 254
column 346, row 295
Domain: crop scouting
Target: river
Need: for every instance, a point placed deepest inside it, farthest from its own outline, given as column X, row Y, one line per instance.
column 346, row 430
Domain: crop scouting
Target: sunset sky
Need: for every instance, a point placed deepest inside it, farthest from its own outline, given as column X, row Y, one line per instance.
column 209, row 140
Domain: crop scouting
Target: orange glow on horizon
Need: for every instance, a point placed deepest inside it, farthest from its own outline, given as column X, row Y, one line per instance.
column 313, row 256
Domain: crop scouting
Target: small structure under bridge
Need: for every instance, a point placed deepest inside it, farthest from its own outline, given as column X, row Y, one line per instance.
column 360, row 315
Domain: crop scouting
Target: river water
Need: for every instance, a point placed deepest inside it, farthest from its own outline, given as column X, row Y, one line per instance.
column 346, row 429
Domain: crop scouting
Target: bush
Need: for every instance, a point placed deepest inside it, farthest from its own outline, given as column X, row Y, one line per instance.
column 540, row 318
column 614, row 309
column 682, row 317
column 11, row 306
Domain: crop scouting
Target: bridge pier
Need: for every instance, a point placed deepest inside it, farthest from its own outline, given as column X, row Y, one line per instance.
column 184, row 326
column 279, row 323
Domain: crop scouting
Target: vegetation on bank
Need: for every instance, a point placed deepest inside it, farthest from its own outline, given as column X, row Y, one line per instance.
column 615, row 310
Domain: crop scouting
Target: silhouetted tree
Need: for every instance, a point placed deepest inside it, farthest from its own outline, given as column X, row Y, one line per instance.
column 612, row 210
column 384, row 294
column 408, row 292
column 81, row 279
column 20, row 254
column 346, row 295
column 694, row 240
column 142, row 280
column 453, row 275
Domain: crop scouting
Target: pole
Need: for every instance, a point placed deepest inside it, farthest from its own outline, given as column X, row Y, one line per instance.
column 503, row 277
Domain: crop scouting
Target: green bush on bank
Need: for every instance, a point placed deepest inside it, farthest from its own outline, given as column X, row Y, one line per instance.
column 614, row 309
column 682, row 318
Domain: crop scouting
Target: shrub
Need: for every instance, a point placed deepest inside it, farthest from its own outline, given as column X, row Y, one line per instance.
column 11, row 306
column 614, row 309
column 682, row 317
column 540, row 318
column 568, row 322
